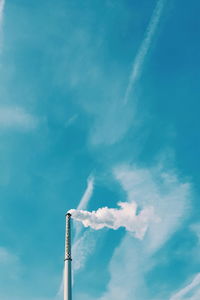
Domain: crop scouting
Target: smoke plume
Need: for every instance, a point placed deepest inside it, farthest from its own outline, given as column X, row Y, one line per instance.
column 125, row 216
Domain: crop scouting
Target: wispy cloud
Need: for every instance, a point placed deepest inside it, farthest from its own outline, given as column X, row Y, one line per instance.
column 82, row 248
column 144, row 48
column 2, row 5
column 80, row 252
column 189, row 292
column 16, row 118
column 170, row 197
column 109, row 114
column 83, row 205
column 161, row 189
column 87, row 194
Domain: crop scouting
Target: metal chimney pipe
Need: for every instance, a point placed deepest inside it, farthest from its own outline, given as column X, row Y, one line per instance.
column 68, row 260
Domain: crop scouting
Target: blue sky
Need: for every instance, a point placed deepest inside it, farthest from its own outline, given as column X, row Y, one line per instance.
column 99, row 104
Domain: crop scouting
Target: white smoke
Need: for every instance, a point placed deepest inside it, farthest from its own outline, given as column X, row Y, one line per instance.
column 125, row 216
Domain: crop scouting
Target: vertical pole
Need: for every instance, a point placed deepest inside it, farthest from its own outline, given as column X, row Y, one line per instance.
column 68, row 260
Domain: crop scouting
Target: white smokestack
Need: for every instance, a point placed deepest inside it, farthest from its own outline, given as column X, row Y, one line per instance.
column 126, row 216
column 68, row 260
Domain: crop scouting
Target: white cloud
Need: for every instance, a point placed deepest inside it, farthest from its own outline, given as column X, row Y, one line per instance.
column 170, row 197
column 79, row 250
column 87, row 194
column 16, row 118
column 2, row 5
column 100, row 92
column 114, row 117
column 162, row 190
column 144, row 48
column 190, row 292
column 126, row 269
column 83, row 205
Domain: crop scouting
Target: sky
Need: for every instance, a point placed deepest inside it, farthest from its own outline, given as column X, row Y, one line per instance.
column 99, row 104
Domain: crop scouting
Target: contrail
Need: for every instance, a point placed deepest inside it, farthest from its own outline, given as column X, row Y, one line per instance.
column 144, row 48
column 125, row 216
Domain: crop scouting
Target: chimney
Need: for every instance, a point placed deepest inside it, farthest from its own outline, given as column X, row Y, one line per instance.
column 68, row 261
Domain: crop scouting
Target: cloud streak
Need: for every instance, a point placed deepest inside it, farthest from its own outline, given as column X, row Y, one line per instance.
column 82, row 248
column 87, row 194
column 79, row 251
column 144, row 48
column 190, row 292
column 2, row 5
column 162, row 189
column 170, row 197
column 84, row 203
